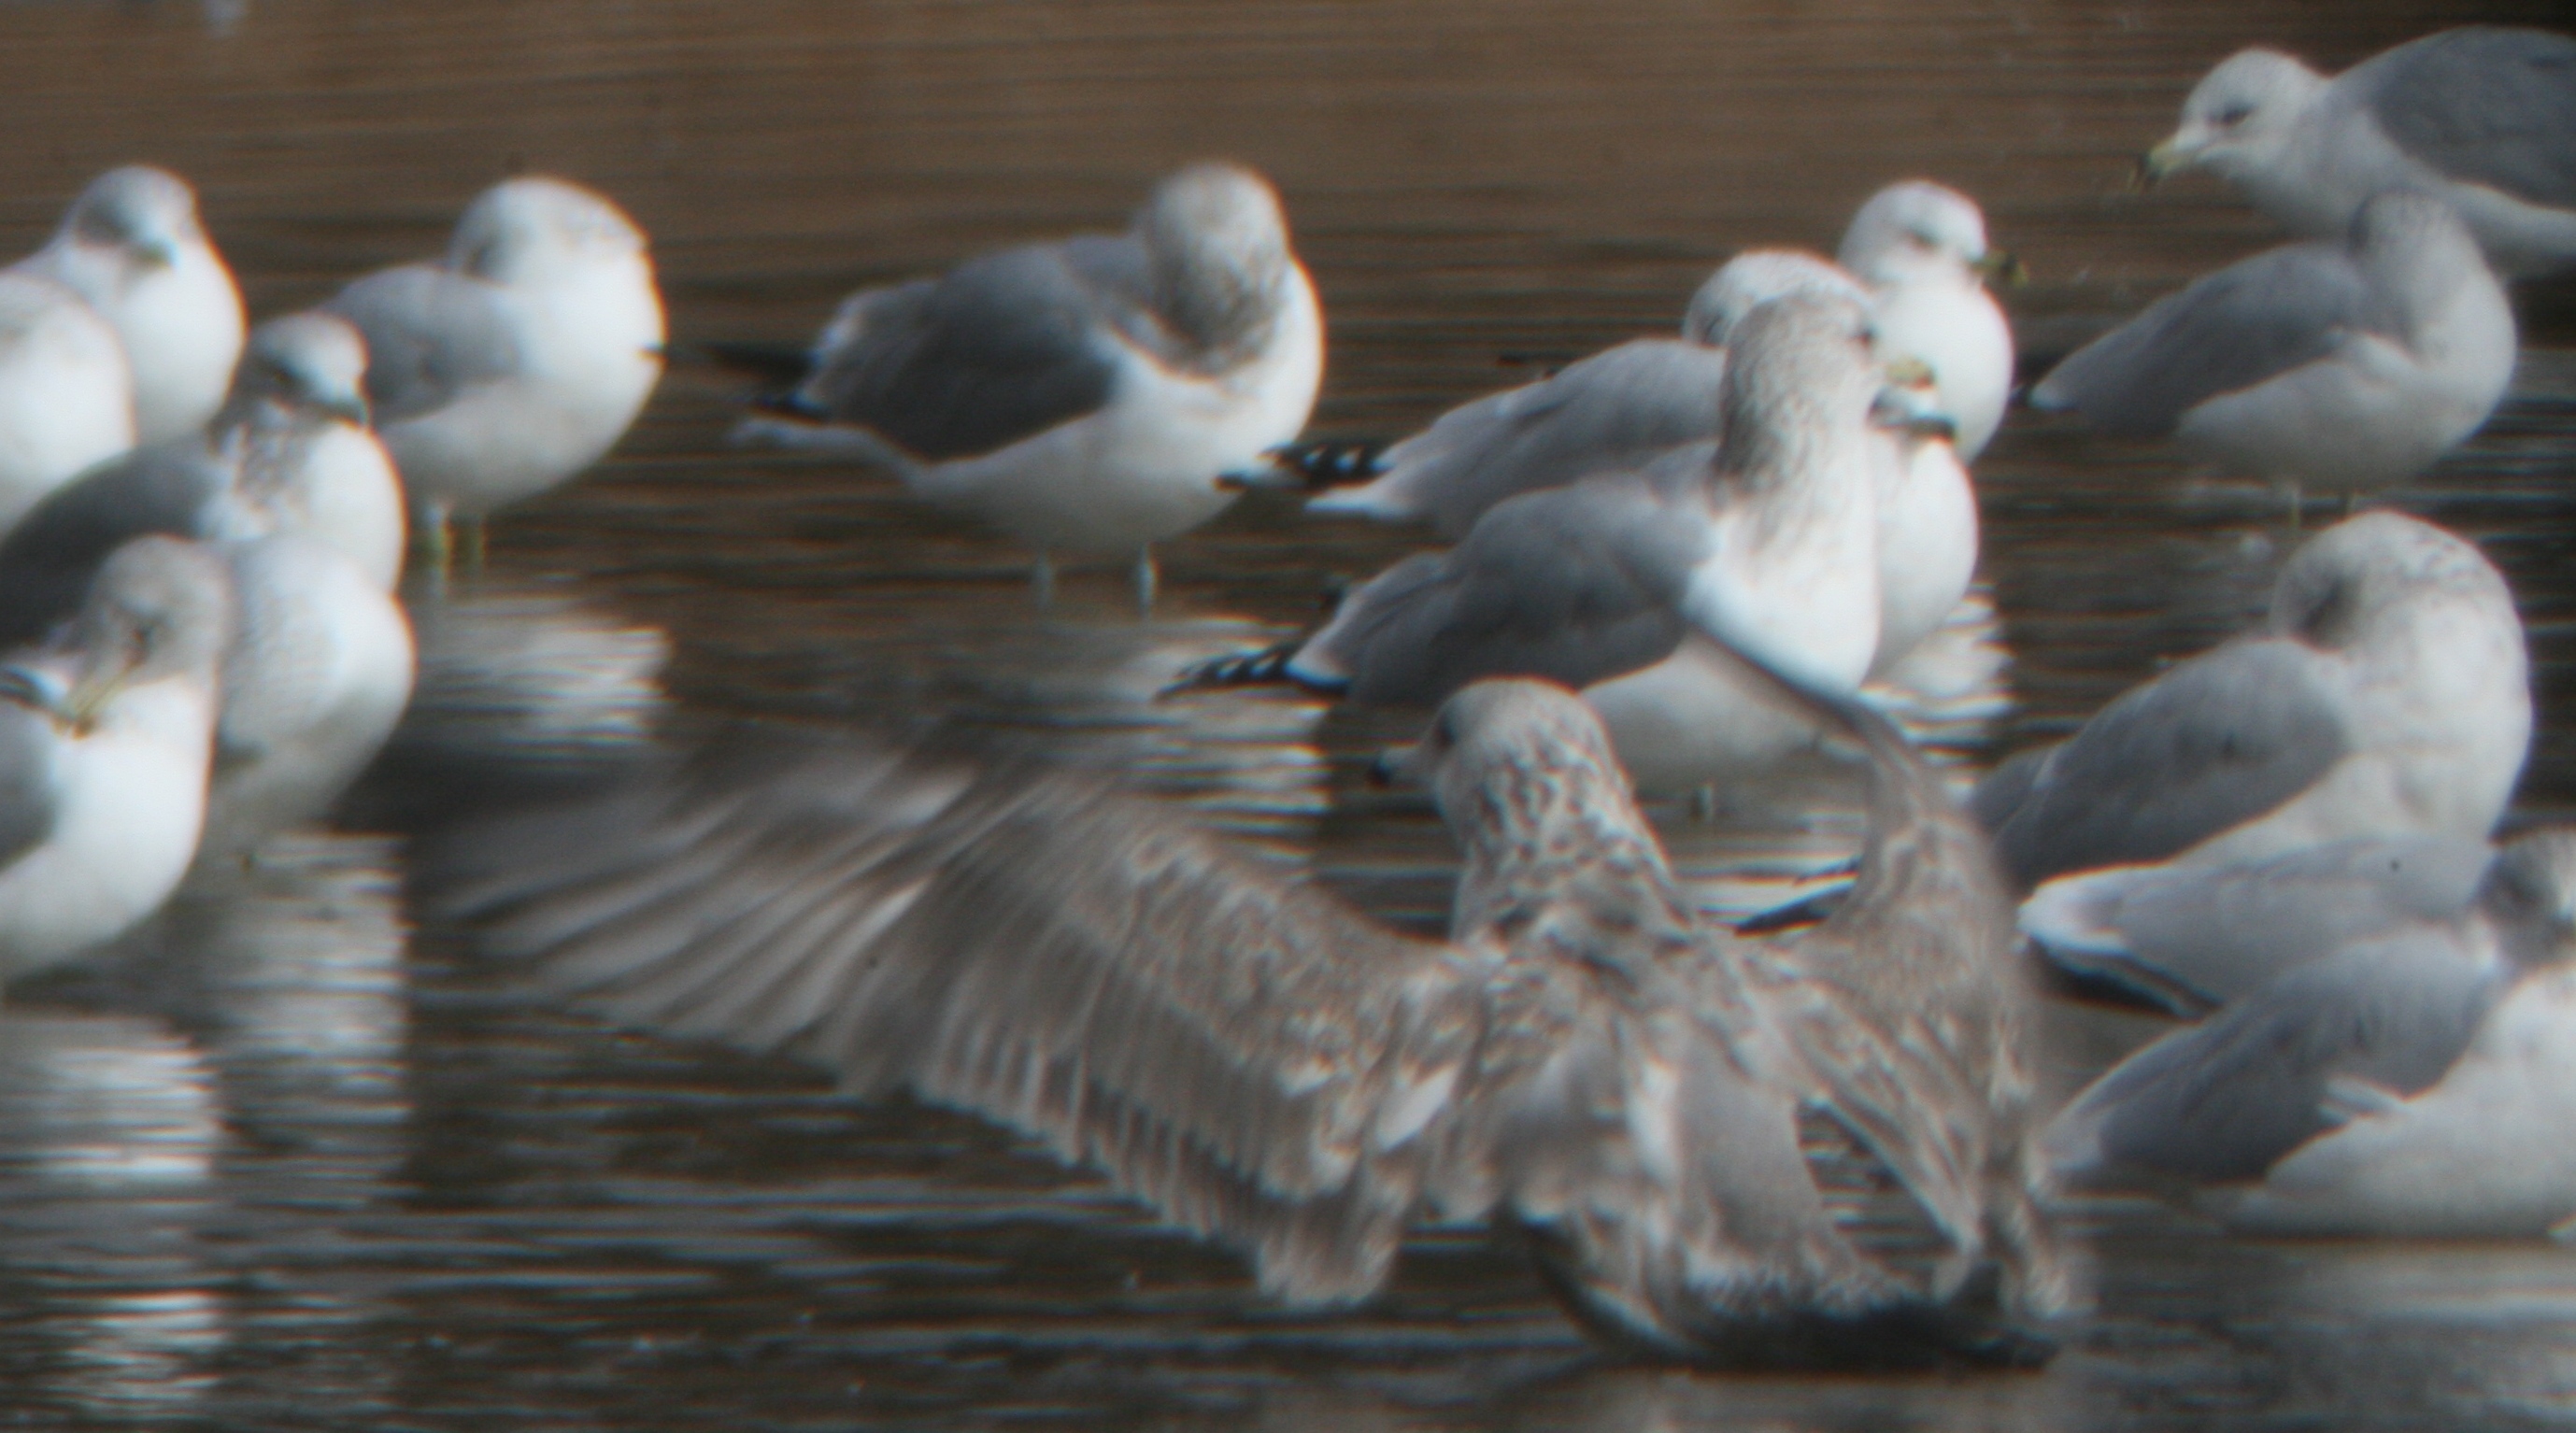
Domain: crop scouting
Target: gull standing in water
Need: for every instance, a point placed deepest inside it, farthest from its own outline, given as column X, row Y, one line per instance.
column 1626, row 586
column 132, row 248
column 517, row 361
column 2348, row 366
column 1587, row 1060
column 1093, row 396
column 1916, row 253
column 104, row 741
column 2387, row 692
column 2482, row 116
column 2420, row 1085
column 66, row 401
column 290, row 451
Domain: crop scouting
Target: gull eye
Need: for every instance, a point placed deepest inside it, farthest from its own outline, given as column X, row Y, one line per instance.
column 2232, row 116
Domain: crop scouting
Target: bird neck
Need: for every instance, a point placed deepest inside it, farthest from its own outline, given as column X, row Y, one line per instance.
column 1557, row 853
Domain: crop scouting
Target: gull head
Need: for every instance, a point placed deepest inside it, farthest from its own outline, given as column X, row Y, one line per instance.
column 147, row 216
column 160, row 607
column 1216, row 242
column 2529, row 897
column 2238, row 118
column 2360, row 576
column 1800, row 375
column 536, row 230
column 1753, row 278
column 1917, row 228
column 1508, row 760
column 310, row 361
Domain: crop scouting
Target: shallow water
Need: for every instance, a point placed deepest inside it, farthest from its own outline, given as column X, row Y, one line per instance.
column 287, row 1163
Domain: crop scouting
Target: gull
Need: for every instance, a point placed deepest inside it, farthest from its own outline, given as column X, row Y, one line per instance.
column 2345, row 366
column 1920, row 248
column 290, row 450
column 1586, row 1060
column 1916, row 253
column 132, row 248
column 2386, row 692
column 66, row 401
column 1626, row 586
column 105, row 737
column 518, row 360
column 2420, row 1085
column 2482, row 116
column 1093, row 396
column 1610, row 411
column 2189, row 937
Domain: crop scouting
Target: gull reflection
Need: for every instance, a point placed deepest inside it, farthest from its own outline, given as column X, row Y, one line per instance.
column 147, row 1354
column 108, row 1100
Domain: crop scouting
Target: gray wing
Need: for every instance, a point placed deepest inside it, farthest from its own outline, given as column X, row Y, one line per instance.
column 430, row 334
column 2195, row 936
column 1598, row 415
column 2217, row 741
column 28, row 794
column 1577, row 585
column 2226, row 1099
column 2226, row 332
column 1003, row 348
column 1240, row 1050
column 2485, row 104
column 47, row 560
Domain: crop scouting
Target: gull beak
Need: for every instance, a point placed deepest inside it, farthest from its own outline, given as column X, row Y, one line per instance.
column 61, row 686
column 2001, row 268
column 348, row 408
column 1392, row 767
column 2160, row 163
column 1909, row 404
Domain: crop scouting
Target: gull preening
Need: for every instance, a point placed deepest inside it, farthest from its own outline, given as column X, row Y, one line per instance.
column 2420, row 1084
column 1094, row 396
column 131, row 246
column 2345, row 366
column 105, row 738
column 2483, row 116
column 2387, row 692
column 519, row 359
column 1720, row 1150
column 1627, row 586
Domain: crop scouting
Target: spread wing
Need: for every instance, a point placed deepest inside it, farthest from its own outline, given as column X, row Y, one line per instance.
column 431, row 334
column 2236, row 328
column 2226, row 1099
column 1577, row 585
column 2217, row 741
column 1002, row 348
column 2484, row 104
column 1238, row 1049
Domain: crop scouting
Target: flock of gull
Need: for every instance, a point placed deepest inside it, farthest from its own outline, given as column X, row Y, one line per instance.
column 1669, row 565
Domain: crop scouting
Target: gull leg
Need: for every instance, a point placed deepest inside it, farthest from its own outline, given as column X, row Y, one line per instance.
column 1042, row 580
column 440, row 540
column 1148, row 580
column 477, row 544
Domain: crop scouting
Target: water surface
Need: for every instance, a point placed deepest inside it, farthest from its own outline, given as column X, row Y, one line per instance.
column 290, row 1163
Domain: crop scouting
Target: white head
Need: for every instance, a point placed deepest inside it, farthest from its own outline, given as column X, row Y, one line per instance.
column 2350, row 579
column 1754, row 277
column 537, row 230
column 1217, row 242
column 2239, row 116
column 1915, row 227
column 310, row 361
column 159, row 608
column 146, row 217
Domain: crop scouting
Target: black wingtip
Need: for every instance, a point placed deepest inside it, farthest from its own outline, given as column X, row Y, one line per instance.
column 1327, row 463
column 1267, row 667
column 781, row 364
